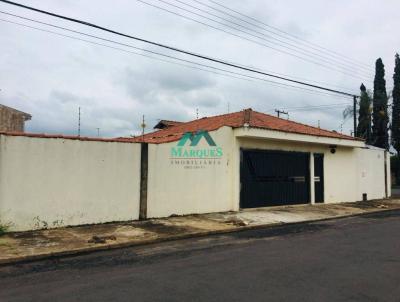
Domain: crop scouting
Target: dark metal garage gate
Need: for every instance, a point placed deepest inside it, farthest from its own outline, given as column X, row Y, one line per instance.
column 270, row 178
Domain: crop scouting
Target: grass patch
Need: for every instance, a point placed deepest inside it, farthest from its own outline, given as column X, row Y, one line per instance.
column 3, row 229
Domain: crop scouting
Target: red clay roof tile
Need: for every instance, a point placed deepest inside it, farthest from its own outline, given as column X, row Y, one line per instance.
column 235, row 120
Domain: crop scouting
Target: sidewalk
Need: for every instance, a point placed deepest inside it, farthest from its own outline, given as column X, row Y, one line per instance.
column 25, row 246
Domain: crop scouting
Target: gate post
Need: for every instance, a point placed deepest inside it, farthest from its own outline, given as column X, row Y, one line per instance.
column 312, row 179
column 144, row 156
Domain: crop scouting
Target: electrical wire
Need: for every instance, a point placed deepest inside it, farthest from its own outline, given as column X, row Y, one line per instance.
column 174, row 48
column 316, row 106
column 313, row 107
column 283, row 34
column 256, row 42
column 319, row 109
column 264, row 37
column 211, row 69
column 300, row 108
column 119, row 49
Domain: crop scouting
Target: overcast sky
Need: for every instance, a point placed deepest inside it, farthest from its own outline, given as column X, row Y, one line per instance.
column 51, row 76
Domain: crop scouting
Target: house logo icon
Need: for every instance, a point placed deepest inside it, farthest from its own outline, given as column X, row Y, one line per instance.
column 195, row 138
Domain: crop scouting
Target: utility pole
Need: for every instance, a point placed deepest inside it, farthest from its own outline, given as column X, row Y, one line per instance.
column 355, row 115
column 79, row 121
column 279, row 112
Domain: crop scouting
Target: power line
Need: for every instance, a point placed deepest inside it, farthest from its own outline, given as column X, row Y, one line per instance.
column 145, row 50
column 319, row 109
column 175, row 49
column 285, row 33
column 226, row 73
column 313, row 107
column 295, row 77
column 254, row 41
column 298, row 108
column 120, row 49
column 316, row 106
column 267, row 38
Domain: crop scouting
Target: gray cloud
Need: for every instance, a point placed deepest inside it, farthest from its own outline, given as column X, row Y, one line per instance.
column 50, row 76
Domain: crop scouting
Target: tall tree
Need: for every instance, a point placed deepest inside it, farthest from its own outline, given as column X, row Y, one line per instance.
column 380, row 119
column 396, row 105
column 364, row 117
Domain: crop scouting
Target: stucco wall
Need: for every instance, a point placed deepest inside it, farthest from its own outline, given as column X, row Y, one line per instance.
column 371, row 170
column 52, row 182
column 190, row 188
column 174, row 189
column 348, row 173
column 58, row 182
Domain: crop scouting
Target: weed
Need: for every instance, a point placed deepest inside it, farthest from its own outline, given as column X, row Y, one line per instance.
column 3, row 229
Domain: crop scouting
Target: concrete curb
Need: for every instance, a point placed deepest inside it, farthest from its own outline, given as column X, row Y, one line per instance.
column 56, row 255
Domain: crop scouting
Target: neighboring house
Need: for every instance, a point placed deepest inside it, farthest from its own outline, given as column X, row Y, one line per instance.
column 12, row 120
column 163, row 124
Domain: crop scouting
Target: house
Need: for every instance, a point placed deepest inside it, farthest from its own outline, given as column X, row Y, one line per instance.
column 228, row 162
column 12, row 120
column 250, row 159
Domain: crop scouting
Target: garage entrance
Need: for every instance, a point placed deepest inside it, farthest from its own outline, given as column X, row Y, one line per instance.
column 271, row 178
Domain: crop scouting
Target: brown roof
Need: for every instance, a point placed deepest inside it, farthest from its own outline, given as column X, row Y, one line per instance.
column 254, row 119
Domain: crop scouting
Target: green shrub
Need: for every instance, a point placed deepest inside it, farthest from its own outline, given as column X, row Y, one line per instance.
column 395, row 167
column 3, row 228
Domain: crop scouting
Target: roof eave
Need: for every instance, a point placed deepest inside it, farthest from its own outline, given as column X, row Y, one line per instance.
column 260, row 133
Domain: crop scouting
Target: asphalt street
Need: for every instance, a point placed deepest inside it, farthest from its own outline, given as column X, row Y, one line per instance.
column 352, row 259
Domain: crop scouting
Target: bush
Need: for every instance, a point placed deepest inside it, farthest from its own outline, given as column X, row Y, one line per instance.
column 395, row 167
column 3, row 228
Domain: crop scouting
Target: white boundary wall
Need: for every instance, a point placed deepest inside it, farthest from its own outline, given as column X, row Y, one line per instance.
column 53, row 182
column 184, row 189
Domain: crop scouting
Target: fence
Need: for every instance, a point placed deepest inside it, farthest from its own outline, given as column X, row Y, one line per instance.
column 48, row 182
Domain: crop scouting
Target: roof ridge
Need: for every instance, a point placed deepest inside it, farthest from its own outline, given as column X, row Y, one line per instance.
column 182, row 125
column 171, row 121
column 306, row 125
column 219, row 115
column 209, row 117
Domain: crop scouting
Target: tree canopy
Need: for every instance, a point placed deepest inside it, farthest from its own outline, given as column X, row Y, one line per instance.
column 380, row 119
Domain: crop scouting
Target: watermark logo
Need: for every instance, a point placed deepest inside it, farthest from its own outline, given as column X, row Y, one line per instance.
column 195, row 138
column 189, row 153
